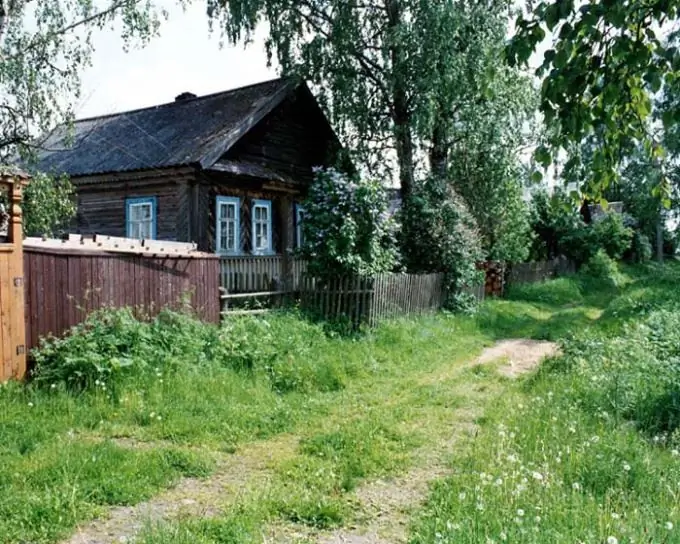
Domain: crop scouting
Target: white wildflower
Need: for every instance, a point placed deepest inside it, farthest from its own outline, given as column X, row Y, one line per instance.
column 615, row 515
column 576, row 486
column 626, row 467
column 461, row 496
column 675, row 453
column 503, row 537
column 669, row 525
column 30, row 405
column 520, row 512
column 612, row 540
column 537, row 476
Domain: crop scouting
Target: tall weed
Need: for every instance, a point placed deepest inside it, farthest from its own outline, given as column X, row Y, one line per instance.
column 113, row 348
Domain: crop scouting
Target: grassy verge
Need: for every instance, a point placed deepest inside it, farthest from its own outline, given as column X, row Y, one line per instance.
column 587, row 450
column 360, row 407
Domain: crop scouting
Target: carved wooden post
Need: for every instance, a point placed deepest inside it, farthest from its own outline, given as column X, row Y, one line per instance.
column 12, row 324
column 286, row 213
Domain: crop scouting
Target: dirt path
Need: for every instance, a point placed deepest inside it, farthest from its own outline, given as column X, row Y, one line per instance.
column 383, row 506
column 386, row 505
column 235, row 475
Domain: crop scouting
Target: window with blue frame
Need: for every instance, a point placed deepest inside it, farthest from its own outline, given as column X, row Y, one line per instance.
column 140, row 218
column 228, row 225
column 262, row 227
column 299, row 218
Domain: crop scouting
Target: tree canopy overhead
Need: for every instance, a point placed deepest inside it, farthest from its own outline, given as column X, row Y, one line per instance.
column 393, row 75
column 608, row 60
column 44, row 47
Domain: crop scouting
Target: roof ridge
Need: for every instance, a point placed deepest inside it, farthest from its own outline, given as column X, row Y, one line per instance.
column 282, row 79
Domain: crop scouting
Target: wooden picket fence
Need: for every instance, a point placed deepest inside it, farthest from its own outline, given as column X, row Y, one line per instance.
column 370, row 300
column 534, row 272
column 259, row 273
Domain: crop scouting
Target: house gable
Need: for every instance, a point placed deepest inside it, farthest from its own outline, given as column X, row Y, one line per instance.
column 286, row 144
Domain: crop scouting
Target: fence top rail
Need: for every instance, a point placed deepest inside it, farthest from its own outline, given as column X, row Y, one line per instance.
column 77, row 245
column 113, row 254
column 230, row 296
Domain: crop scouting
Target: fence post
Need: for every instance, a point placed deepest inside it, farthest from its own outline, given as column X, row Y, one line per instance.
column 13, row 327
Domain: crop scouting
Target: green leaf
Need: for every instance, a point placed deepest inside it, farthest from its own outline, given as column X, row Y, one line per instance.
column 552, row 16
column 543, row 156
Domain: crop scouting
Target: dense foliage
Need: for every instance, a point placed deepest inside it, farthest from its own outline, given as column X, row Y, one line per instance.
column 607, row 61
column 347, row 229
column 560, row 230
column 112, row 348
column 445, row 239
column 48, row 205
column 403, row 77
column 494, row 195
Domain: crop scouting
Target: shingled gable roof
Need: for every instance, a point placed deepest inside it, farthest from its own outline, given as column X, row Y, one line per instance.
column 191, row 131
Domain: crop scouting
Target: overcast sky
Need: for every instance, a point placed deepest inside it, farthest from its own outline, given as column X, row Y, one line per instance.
column 184, row 58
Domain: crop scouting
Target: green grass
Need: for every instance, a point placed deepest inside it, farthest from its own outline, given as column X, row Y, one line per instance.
column 361, row 407
column 587, row 449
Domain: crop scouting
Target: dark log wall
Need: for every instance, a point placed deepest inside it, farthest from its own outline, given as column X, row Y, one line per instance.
column 291, row 140
column 224, row 185
column 101, row 202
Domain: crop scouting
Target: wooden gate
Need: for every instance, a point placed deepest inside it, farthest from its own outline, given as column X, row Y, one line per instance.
column 12, row 325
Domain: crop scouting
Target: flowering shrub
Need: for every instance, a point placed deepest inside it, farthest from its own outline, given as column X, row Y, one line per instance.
column 347, row 228
column 440, row 235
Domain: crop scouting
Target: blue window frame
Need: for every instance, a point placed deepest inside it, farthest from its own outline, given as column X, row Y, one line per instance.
column 262, row 227
column 228, row 225
column 299, row 218
column 140, row 217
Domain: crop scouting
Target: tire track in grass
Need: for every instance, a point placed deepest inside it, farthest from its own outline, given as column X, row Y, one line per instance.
column 385, row 505
column 234, row 476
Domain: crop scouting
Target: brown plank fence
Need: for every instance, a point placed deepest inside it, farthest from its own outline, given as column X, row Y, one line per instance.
column 62, row 286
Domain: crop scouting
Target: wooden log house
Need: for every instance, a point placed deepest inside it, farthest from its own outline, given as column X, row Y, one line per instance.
column 227, row 171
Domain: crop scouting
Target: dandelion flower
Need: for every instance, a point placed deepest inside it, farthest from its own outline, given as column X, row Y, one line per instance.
column 675, row 453
column 626, row 467
column 576, row 486
column 520, row 512
column 612, row 540
column 30, row 405
column 499, row 481
column 669, row 525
